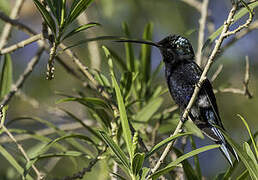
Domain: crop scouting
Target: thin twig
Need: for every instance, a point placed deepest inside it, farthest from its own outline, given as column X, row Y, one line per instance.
column 22, row 77
column 217, row 72
column 39, row 175
column 245, row 91
column 17, row 23
column 202, row 24
column 8, row 27
column 21, row 44
column 194, row 3
column 81, row 174
column 48, row 131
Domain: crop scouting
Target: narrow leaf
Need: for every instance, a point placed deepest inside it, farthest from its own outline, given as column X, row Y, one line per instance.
column 115, row 148
column 13, row 162
column 90, row 102
column 128, row 49
column 147, row 111
column 80, row 28
column 164, row 142
column 137, row 163
column 90, row 129
column 250, row 134
column 146, row 53
column 249, row 152
column 46, row 16
column 121, row 106
column 77, row 8
column 6, row 76
column 175, row 163
column 249, row 164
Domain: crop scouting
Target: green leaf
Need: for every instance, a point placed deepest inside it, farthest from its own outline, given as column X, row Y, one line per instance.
column 146, row 52
column 101, row 78
column 250, row 134
column 118, row 60
column 196, row 160
column 6, row 77
column 164, row 142
column 52, row 143
column 147, row 111
column 121, row 106
column 243, row 175
column 62, row 154
column 77, row 8
column 91, row 102
column 63, row 11
column 249, row 152
column 238, row 15
column 60, row 132
column 137, row 163
column 189, row 172
column 115, row 148
column 126, row 83
column 175, row 163
column 13, row 162
column 46, row 16
column 81, row 28
column 91, row 130
column 128, row 49
column 249, row 164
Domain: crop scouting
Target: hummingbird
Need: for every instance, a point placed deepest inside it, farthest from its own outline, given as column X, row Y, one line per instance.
column 182, row 75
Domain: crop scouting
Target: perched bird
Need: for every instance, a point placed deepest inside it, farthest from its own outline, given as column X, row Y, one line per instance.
column 182, row 75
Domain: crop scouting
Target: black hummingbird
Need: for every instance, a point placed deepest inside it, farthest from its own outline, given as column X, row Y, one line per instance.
column 182, row 75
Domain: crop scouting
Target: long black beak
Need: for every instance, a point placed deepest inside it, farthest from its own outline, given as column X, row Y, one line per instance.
column 140, row 42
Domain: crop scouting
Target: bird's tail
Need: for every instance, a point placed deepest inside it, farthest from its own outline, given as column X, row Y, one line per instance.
column 225, row 146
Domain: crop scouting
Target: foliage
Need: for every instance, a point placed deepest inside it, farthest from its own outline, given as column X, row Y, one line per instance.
column 119, row 134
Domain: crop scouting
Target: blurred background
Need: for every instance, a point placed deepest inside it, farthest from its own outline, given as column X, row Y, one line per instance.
column 168, row 17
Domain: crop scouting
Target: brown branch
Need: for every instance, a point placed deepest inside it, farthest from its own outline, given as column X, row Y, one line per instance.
column 47, row 131
column 202, row 23
column 19, row 83
column 16, row 23
column 39, row 175
column 245, row 91
column 194, row 3
column 8, row 27
column 21, row 44
column 217, row 72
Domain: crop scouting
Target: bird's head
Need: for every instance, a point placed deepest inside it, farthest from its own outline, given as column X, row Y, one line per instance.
column 173, row 48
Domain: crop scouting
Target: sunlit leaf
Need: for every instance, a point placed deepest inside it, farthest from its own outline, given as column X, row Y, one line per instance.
column 249, row 164
column 6, row 76
column 121, row 106
column 250, row 134
column 147, row 111
column 189, row 172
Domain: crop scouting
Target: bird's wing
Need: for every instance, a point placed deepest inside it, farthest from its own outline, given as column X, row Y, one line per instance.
column 208, row 91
